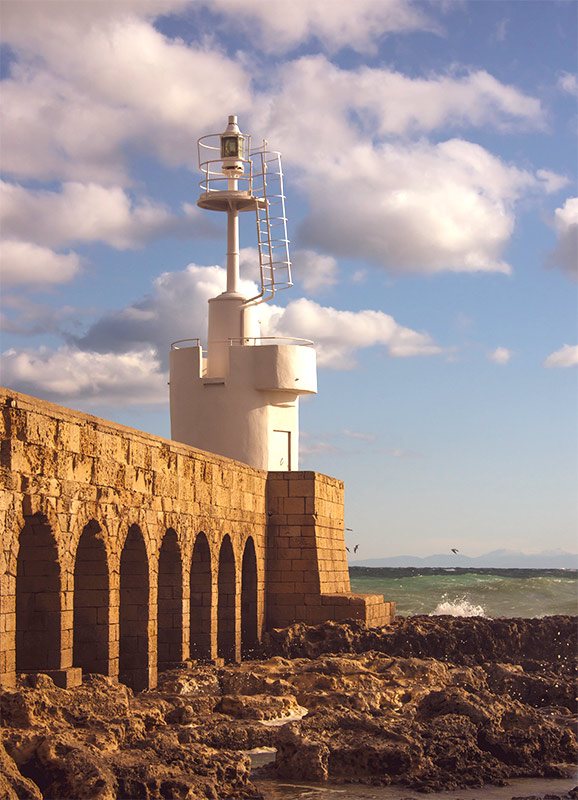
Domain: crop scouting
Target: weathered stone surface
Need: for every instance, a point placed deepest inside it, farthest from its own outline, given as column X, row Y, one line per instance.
column 104, row 530
column 447, row 720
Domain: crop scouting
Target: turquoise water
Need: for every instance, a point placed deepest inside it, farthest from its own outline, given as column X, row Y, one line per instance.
column 491, row 593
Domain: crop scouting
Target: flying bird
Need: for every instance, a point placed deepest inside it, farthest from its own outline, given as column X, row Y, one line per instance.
column 355, row 548
column 455, row 550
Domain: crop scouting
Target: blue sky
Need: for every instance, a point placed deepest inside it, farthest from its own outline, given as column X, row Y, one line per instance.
column 429, row 151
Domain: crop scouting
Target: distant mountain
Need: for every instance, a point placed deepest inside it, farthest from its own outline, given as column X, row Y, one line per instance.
column 547, row 559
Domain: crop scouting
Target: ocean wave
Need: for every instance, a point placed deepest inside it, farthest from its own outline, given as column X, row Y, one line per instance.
column 458, row 607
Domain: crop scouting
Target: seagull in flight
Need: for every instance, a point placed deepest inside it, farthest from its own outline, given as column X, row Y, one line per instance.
column 455, row 550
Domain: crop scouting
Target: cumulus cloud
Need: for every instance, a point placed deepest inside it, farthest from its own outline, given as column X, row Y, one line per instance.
column 424, row 208
column 28, row 264
column 87, row 83
column 565, row 255
column 69, row 375
column 501, row 355
column 314, row 271
column 280, row 25
column 177, row 309
column 371, row 103
column 566, row 356
column 373, row 194
column 133, row 343
column 338, row 335
column 89, row 213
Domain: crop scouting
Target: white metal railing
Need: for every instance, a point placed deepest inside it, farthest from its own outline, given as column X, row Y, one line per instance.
column 255, row 341
column 261, row 182
column 174, row 345
column 259, row 340
column 211, row 165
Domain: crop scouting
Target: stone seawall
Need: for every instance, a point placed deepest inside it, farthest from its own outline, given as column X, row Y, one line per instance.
column 123, row 552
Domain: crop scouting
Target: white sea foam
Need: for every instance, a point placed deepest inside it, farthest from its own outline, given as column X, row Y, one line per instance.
column 458, row 607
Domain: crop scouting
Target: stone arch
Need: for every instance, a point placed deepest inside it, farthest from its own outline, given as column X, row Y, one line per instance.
column 91, row 602
column 38, row 598
column 226, row 604
column 201, row 598
column 170, row 601
column 249, row 627
column 134, row 611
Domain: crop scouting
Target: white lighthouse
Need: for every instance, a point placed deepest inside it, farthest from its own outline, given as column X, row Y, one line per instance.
column 240, row 398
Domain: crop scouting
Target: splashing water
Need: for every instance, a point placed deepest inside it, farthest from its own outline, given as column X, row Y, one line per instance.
column 458, row 607
column 491, row 593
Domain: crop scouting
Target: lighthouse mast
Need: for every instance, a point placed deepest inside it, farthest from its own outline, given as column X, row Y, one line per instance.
column 240, row 399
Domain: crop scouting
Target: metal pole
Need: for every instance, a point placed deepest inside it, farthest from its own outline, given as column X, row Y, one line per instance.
column 232, row 250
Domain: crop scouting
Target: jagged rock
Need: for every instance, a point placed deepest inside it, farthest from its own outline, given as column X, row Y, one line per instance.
column 433, row 703
column 13, row 785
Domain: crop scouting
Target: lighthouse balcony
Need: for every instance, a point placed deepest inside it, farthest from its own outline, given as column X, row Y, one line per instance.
column 279, row 364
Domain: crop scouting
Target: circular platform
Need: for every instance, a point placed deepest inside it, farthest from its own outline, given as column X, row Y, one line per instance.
column 225, row 200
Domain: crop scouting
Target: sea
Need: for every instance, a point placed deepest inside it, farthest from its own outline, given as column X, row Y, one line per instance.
column 459, row 592
column 471, row 591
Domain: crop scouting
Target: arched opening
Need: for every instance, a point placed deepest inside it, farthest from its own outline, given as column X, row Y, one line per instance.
column 226, row 616
column 249, row 635
column 201, row 599
column 38, row 605
column 91, row 603
column 170, row 602
column 134, row 612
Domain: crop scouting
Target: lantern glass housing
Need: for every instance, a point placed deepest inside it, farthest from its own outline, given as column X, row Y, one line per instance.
column 232, row 147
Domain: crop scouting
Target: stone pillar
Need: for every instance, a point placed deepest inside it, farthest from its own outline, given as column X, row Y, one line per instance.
column 307, row 573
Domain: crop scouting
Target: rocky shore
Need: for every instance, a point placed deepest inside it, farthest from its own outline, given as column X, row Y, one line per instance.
column 426, row 703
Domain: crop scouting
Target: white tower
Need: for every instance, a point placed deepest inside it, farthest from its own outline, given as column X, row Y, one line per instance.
column 240, row 399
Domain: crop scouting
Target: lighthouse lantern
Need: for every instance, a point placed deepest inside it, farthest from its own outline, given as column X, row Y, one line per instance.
column 232, row 148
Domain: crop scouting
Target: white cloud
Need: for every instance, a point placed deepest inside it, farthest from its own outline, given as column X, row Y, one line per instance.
column 314, row 271
column 23, row 263
column 126, row 348
column 68, row 375
column 87, row 83
column 364, row 437
column 89, row 213
column 501, row 30
column 338, row 335
column 91, row 81
column 423, row 208
column 368, row 103
column 501, row 355
column 279, row 25
column 177, row 309
column 566, row 356
column 568, row 82
column 551, row 180
column 565, row 254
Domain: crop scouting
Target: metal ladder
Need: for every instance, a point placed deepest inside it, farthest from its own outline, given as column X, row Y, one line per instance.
column 274, row 263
